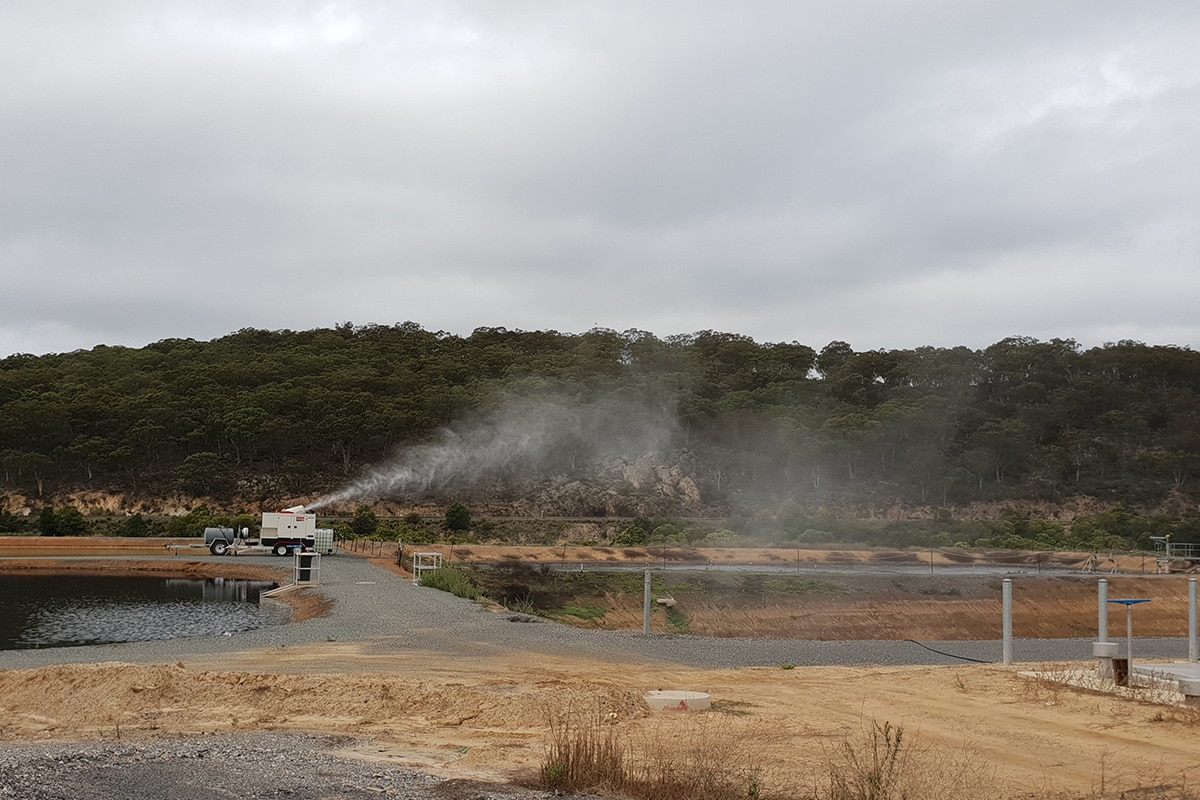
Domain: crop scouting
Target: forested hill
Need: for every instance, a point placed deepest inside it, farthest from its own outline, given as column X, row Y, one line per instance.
column 270, row 414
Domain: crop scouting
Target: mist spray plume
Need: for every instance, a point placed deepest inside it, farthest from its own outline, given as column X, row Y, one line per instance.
column 522, row 439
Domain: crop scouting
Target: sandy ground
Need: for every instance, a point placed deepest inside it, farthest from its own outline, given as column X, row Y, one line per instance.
column 977, row 730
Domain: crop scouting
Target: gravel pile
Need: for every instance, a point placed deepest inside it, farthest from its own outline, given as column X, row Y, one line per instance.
column 262, row 766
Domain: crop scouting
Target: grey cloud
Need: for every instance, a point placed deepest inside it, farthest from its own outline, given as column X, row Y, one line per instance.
column 788, row 171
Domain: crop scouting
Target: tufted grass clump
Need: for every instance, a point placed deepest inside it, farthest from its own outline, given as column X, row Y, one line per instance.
column 451, row 580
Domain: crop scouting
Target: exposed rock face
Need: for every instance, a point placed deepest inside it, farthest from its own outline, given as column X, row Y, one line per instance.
column 648, row 486
column 648, row 473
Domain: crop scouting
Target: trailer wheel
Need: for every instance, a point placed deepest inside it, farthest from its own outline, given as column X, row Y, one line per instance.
column 219, row 547
column 280, row 550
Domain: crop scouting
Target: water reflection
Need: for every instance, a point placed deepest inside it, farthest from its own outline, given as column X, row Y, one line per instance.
column 64, row 610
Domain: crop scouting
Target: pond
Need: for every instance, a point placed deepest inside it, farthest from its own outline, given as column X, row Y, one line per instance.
column 66, row 610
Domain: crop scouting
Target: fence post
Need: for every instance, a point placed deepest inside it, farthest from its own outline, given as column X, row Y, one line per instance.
column 646, row 604
column 1103, row 612
column 1007, row 655
column 1193, row 649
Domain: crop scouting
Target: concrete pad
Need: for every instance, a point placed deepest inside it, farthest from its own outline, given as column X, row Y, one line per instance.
column 1172, row 671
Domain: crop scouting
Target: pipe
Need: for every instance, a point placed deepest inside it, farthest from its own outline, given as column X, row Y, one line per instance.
column 1103, row 599
column 646, row 604
column 1193, row 648
column 1007, row 646
column 1129, row 639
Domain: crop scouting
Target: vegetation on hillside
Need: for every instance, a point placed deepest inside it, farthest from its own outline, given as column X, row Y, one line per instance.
column 264, row 414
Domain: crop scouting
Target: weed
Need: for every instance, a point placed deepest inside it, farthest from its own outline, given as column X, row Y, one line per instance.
column 803, row 586
column 1062, row 681
column 583, row 754
column 586, row 755
column 1187, row 716
column 555, row 775
column 753, row 789
column 584, row 612
column 732, row 708
column 787, row 665
column 451, row 580
column 694, row 757
column 883, row 764
column 678, row 621
column 522, row 605
column 876, row 771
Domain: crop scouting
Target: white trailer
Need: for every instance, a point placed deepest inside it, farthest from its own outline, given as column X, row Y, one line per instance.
column 281, row 533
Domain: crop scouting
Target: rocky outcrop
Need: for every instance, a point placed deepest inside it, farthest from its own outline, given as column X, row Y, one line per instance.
column 648, row 473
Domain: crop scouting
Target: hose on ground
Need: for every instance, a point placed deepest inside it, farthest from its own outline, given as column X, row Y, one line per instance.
column 949, row 655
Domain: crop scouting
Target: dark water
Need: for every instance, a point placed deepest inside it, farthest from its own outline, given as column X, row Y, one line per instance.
column 64, row 610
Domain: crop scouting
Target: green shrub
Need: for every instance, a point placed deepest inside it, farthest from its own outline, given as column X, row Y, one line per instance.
column 458, row 518
column 135, row 526
column 365, row 522
column 632, row 536
column 453, row 581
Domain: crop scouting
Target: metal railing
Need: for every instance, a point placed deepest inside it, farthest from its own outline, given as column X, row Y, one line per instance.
column 1164, row 548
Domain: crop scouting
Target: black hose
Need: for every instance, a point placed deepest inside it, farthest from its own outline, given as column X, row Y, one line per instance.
column 949, row 655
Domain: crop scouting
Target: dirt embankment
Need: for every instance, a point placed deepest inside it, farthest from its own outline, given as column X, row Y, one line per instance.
column 869, row 594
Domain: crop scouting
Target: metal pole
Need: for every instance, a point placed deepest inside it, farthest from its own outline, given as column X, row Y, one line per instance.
column 646, row 604
column 1193, row 647
column 1103, row 627
column 1007, row 594
column 1129, row 639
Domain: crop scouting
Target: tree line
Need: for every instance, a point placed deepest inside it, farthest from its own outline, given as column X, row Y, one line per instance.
column 271, row 413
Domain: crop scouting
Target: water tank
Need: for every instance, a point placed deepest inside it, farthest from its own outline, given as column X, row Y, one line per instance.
column 323, row 541
column 212, row 534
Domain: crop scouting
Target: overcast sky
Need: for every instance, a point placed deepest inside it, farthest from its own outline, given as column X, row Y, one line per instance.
column 891, row 173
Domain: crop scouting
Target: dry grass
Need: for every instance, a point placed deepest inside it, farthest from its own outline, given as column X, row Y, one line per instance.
column 584, row 753
column 883, row 762
column 878, row 769
column 684, row 757
column 1056, row 684
column 1110, row 788
column 679, row 757
column 700, row 756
